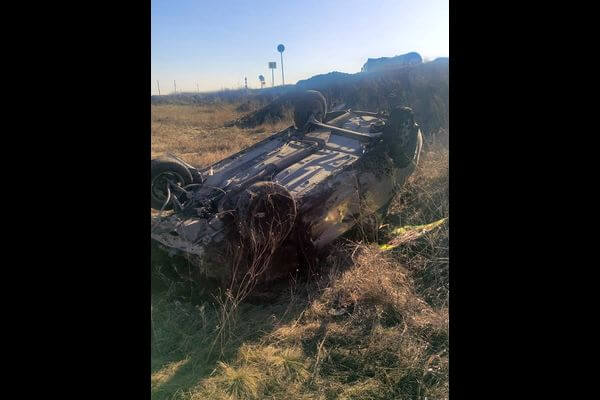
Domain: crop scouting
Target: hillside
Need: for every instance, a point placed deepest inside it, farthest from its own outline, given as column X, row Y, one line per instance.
column 424, row 87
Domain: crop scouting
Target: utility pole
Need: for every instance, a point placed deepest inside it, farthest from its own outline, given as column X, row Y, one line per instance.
column 175, row 85
column 158, row 86
column 198, row 88
column 245, row 82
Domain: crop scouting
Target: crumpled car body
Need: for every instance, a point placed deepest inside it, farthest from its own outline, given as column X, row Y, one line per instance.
column 333, row 177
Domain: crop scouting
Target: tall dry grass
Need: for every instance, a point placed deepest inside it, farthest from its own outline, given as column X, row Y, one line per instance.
column 197, row 133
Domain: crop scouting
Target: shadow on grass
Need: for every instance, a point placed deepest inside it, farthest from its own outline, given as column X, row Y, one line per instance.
column 186, row 320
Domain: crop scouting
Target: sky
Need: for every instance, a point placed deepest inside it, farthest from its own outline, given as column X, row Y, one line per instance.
column 210, row 45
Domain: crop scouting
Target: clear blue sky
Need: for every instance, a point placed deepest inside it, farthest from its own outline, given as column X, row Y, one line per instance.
column 214, row 44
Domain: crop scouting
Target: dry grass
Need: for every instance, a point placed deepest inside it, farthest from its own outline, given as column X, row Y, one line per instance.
column 197, row 133
column 373, row 326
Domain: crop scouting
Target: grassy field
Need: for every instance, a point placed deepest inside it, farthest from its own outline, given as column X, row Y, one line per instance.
column 373, row 325
column 197, row 133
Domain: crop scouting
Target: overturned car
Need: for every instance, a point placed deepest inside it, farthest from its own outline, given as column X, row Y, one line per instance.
column 284, row 199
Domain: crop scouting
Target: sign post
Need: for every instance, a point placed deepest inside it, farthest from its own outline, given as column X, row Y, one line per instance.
column 272, row 65
column 280, row 49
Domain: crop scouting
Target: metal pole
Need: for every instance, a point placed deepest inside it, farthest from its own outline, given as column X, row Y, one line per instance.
column 282, row 80
column 198, row 87
column 272, row 77
column 175, row 85
column 157, row 85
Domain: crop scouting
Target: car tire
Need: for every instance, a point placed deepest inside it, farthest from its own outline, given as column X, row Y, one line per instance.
column 261, row 204
column 308, row 103
column 162, row 170
column 401, row 136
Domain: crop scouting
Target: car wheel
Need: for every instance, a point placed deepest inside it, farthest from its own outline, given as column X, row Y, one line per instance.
column 401, row 135
column 162, row 172
column 307, row 104
column 266, row 211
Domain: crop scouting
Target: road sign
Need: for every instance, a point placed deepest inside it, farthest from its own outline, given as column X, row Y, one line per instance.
column 280, row 49
column 272, row 65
